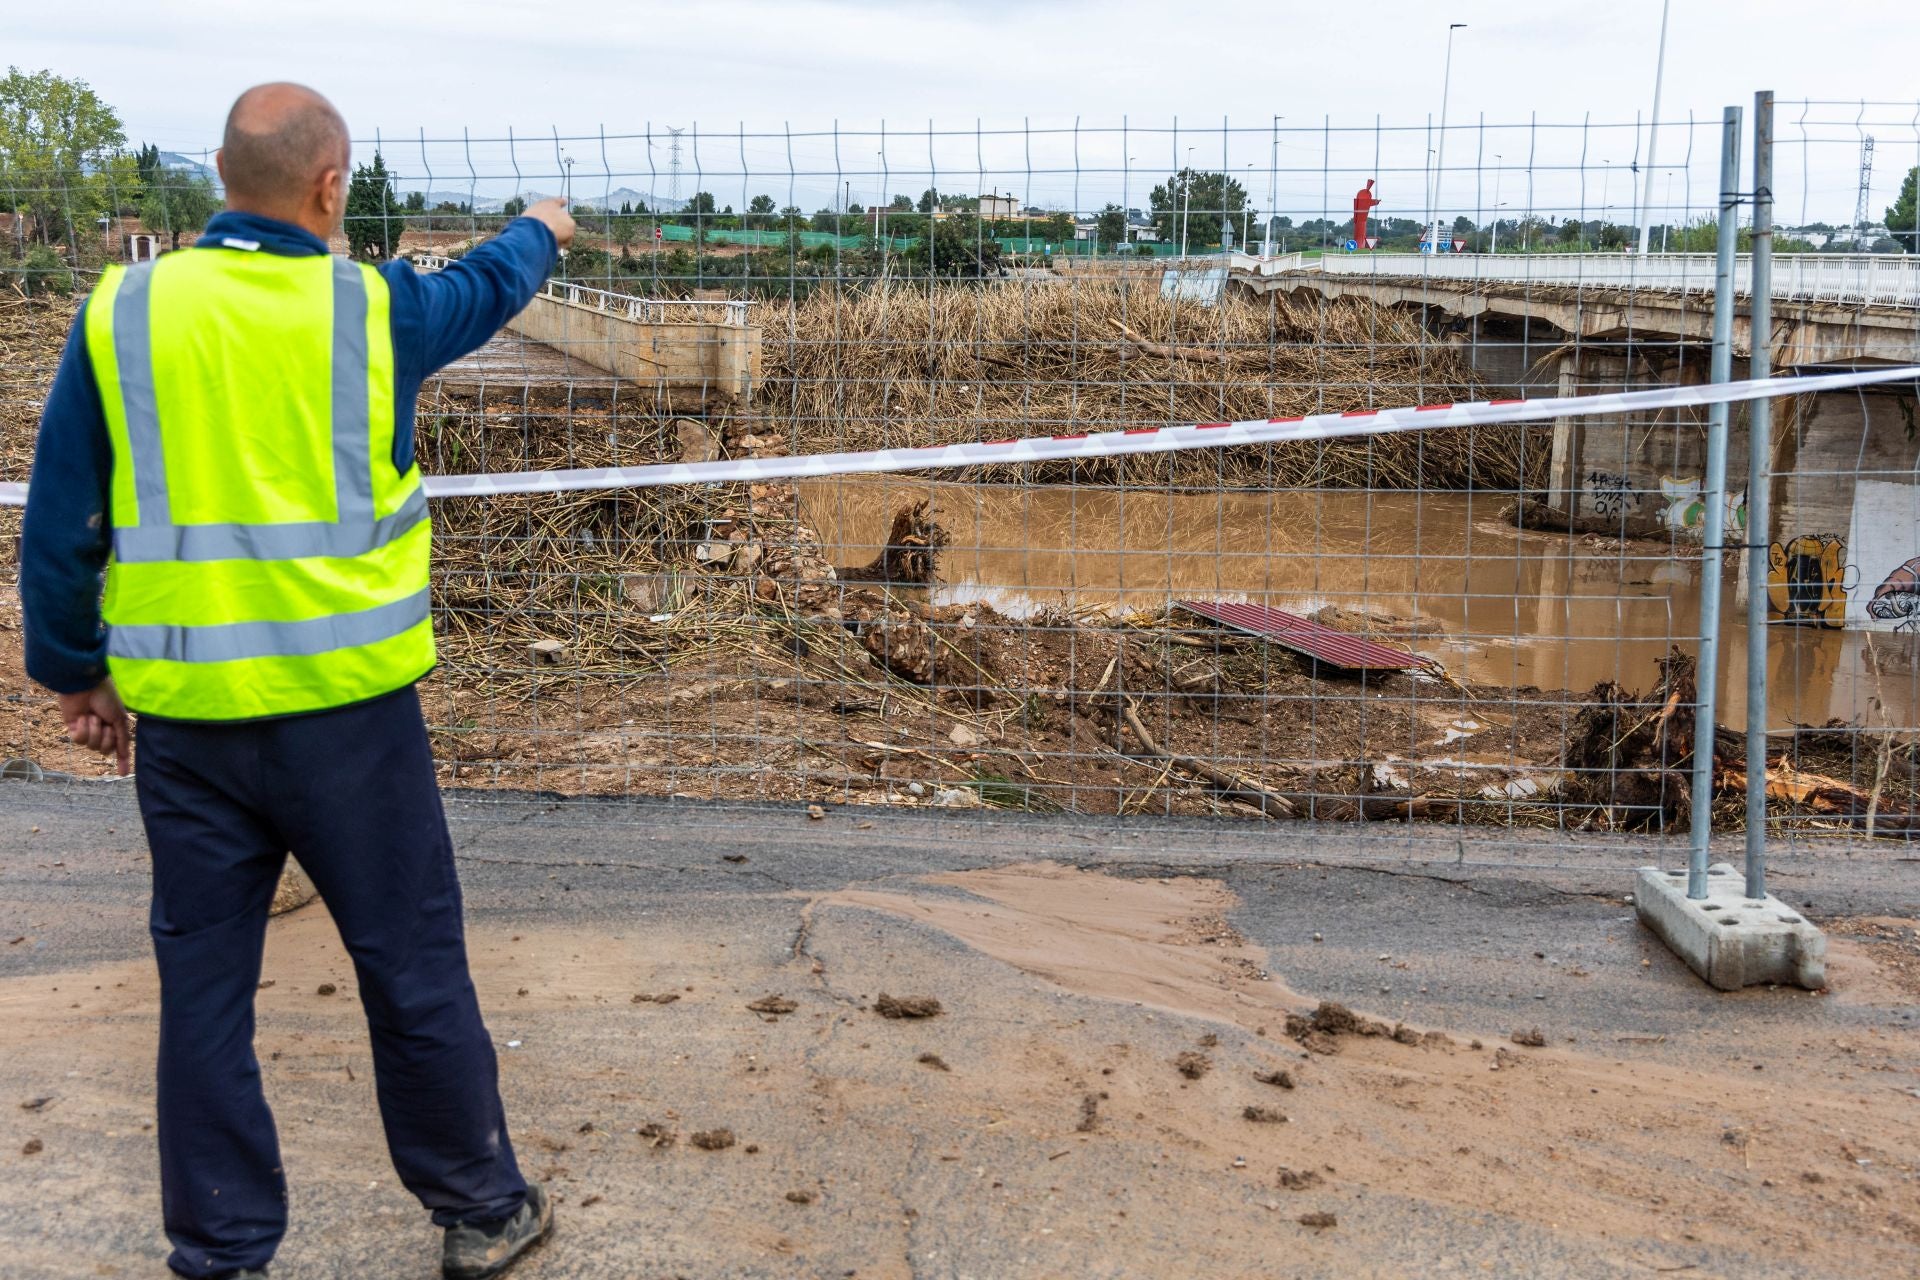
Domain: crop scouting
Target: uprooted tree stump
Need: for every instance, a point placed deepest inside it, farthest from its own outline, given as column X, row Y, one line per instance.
column 1632, row 753
column 912, row 554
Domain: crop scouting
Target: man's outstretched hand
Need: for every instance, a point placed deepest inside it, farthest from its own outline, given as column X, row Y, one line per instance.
column 97, row 720
column 553, row 212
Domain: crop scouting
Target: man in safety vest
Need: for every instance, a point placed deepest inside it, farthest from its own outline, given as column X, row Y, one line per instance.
column 230, row 438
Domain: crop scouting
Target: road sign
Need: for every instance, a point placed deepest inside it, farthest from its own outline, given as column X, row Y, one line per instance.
column 1373, row 242
column 1351, row 246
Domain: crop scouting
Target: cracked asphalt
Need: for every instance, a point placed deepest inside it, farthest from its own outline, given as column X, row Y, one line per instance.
column 855, row 1156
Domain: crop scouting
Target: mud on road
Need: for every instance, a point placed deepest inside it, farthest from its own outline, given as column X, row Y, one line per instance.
column 756, row 1114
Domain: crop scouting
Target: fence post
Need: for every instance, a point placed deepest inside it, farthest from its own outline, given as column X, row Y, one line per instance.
column 1759, row 530
column 1714, row 491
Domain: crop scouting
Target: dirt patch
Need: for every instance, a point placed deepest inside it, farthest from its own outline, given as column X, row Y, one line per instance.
column 1873, row 959
column 1441, row 1125
column 712, row 1139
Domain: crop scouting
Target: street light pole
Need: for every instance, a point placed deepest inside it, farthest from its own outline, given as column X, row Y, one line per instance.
column 1186, row 201
column 1653, row 132
column 1273, row 190
column 1495, row 246
column 1440, row 161
column 1246, row 219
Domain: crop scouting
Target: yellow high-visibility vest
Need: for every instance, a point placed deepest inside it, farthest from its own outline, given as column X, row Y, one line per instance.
column 267, row 558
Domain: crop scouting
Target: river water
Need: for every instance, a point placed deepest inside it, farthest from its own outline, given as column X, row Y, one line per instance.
column 1494, row 604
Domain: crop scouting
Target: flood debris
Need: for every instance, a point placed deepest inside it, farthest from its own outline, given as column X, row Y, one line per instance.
column 1533, row 1038
column 33, row 1148
column 1297, row 1179
column 325, row 989
column 906, row 1006
column 1279, row 1079
column 1089, row 1113
column 656, row 1135
column 933, row 1060
column 1320, row 1032
column 712, row 1139
column 1263, row 1115
column 911, row 556
column 772, row 1006
column 1193, row 1064
column 40, row 1103
column 1629, row 753
column 1319, row 1221
column 664, row 997
column 800, row 1195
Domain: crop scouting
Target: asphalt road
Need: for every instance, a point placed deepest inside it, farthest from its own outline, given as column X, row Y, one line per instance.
column 854, row 1157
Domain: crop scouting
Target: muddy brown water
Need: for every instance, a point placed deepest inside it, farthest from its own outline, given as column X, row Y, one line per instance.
column 1494, row 604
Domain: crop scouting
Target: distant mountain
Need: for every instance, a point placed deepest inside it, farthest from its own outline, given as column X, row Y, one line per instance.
column 174, row 160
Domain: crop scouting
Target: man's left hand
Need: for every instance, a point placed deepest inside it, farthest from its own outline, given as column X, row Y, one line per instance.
column 97, row 720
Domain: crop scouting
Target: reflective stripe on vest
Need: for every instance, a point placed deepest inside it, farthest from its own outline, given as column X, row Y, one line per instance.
column 246, row 582
column 155, row 538
column 230, row 641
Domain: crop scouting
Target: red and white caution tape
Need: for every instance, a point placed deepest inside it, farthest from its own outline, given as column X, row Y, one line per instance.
column 1109, row 444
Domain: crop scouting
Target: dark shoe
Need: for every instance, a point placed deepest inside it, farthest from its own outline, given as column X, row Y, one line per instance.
column 475, row 1252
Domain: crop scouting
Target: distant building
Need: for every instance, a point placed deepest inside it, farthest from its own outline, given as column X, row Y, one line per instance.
column 996, row 206
column 139, row 246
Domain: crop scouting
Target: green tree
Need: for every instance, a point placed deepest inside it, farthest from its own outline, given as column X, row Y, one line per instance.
column 60, row 151
column 957, row 247
column 147, row 161
column 374, row 217
column 702, row 202
column 1111, row 226
column 416, row 202
column 930, row 201
column 902, row 204
column 1901, row 215
column 1203, row 198
column 514, row 207
column 623, row 229
column 759, row 215
column 178, row 202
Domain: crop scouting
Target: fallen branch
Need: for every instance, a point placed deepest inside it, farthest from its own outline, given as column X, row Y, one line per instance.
column 1271, row 803
column 1535, row 513
column 1165, row 351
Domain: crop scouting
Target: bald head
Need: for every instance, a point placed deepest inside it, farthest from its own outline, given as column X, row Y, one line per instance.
column 281, row 141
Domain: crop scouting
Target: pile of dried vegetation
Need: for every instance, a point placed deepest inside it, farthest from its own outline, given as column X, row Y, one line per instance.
column 906, row 366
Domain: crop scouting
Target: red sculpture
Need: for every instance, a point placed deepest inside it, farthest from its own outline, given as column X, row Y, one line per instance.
column 1363, row 200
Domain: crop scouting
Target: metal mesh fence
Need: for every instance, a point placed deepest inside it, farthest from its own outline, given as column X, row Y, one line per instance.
column 1486, row 629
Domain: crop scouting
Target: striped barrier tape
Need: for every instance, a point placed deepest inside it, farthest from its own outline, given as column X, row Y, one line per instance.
column 1108, row 444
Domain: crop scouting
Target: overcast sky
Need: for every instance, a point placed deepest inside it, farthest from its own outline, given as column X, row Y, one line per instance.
column 1024, row 74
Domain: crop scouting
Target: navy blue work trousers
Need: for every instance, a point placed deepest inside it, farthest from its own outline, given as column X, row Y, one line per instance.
column 351, row 794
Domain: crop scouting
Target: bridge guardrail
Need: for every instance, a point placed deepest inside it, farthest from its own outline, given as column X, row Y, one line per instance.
column 1872, row 278
column 734, row 311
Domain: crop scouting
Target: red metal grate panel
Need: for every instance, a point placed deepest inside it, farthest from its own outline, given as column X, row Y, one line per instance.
column 1337, row 648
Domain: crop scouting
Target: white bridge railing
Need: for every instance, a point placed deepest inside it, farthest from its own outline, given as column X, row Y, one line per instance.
column 732, row 311
column 1883, row 279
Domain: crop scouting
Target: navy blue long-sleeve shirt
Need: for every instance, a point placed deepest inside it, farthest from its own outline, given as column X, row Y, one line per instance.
column 436, row 318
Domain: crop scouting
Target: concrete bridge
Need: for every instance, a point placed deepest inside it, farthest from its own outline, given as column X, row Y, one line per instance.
column 690, row 354
column 1845, row 471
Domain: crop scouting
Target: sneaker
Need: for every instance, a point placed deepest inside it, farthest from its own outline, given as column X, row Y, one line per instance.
column 475, row 1252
